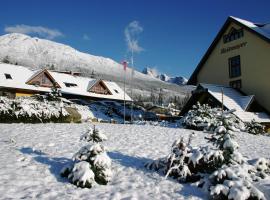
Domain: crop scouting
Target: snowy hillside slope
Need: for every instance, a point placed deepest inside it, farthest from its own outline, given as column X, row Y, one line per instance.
column 32, row 156
column 36, row 53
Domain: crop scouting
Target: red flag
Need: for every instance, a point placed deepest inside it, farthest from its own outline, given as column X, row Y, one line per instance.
column 125, row 65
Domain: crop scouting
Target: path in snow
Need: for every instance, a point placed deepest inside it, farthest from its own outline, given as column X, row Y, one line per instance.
column 32, row 156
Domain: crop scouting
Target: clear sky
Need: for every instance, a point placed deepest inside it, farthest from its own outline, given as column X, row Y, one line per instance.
column 172, row 35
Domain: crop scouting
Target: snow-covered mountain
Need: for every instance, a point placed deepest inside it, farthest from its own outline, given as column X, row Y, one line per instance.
column 151, row 72
column 38, row 53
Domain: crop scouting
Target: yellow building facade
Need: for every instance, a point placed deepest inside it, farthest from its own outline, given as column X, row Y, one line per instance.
column 238, row 57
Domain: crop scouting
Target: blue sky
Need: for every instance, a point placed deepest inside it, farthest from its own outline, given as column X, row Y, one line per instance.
column 173, row 34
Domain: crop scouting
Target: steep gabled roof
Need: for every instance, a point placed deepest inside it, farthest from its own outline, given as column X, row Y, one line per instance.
column 261, row 30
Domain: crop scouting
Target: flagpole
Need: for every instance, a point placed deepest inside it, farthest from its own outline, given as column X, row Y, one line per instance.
column 131, row 85
column 125, row 97
column 124, row 65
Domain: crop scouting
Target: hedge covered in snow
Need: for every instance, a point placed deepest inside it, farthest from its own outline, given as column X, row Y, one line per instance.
column 42, row 109
column 219, row 168
column 91, row 163
column 31, row 110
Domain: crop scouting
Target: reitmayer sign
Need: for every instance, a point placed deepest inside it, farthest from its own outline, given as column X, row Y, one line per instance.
column 238, row 46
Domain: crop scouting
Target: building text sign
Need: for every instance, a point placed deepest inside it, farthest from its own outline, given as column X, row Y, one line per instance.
column 238, row 46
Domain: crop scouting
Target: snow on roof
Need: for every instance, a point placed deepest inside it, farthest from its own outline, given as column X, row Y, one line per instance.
column 263, row 29
column 232, row 99
column 20, row 75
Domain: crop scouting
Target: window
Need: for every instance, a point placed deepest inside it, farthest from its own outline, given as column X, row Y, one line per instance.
column 70, row 84
column 236, row 84
column 233, row 35
column 116, row 91
column 8, row 76
column 234, row 67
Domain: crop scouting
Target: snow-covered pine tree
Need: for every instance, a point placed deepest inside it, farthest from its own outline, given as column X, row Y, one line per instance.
column 255, row 128
column 174, row 164
column 220, row 168
column 55, row 93
column 203, row 117
column 91, row 161
column 94, row 135
column 232, row 180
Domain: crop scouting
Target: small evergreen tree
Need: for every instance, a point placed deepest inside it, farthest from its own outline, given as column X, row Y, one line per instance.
column 91, row 160
column 255, row 128
column 55, row 93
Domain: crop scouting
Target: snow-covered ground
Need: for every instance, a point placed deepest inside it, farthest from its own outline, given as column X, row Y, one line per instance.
column 32, row 155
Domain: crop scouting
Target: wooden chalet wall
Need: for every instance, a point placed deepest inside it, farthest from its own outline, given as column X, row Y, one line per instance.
column 42, row 80
column 100, row 88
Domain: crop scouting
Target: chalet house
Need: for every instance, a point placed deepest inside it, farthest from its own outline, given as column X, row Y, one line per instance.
column 20, row 81
column 238, row 61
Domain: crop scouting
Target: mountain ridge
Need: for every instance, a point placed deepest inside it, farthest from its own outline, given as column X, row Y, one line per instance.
column 152, row 72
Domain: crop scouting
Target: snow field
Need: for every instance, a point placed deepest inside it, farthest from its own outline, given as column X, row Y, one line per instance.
column 32, row 156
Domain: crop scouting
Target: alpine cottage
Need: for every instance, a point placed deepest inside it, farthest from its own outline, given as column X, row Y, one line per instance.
column 20, row 81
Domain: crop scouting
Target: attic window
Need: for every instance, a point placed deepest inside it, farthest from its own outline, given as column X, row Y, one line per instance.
column 116, row 91
column 8, row 76
column 70, row 84
column 233, row 35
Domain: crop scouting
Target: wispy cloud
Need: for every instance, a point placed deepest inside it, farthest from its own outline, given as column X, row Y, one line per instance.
column 86, row 37
column 34, row 30
column 132, row 31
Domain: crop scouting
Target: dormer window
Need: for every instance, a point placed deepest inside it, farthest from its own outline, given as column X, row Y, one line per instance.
column 116, row 91
column 70, row 84
column 234, row 34
column 8, row 76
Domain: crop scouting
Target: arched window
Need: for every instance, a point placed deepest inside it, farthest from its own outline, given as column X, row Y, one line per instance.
column 233, row 34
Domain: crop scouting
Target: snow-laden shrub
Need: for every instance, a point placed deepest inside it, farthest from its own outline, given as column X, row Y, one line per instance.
column 185, row 163
column 262, row 166
column 98, row 162
column 254, row 127
column 31, row 109
column 82, row 175
column 234, row 182
column 203, row 117
column 219, row 168
column 174, row 164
